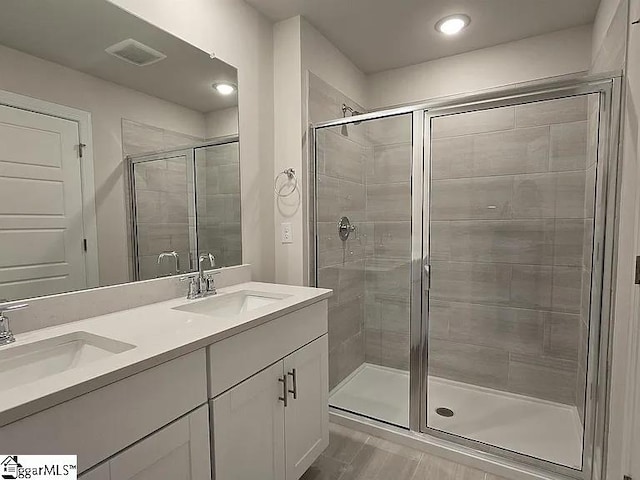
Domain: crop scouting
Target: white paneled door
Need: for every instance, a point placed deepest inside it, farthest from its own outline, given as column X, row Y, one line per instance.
column 41, row 223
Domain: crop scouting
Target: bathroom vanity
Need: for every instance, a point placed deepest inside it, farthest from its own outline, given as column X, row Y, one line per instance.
column 177, row 389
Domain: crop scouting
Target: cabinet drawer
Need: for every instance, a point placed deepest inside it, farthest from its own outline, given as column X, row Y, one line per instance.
column 98, row 424
column 236, row 358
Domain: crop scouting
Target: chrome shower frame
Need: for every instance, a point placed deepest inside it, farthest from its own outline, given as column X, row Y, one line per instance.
column 131, row 161
column 608, row 87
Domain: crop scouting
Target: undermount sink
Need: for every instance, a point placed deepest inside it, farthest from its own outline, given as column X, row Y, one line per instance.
column 28, row 363
column 231, row 304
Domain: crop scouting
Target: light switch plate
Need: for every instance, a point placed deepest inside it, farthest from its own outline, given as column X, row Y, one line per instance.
column 286, row 233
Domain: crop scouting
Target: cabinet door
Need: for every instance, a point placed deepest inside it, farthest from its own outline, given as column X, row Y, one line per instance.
column 307, row 415
column 248, row 429
column 179, row 451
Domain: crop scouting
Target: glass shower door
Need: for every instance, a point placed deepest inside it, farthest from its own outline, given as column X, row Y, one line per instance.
column 511, row 243
column 363, row 244
column 163, row 214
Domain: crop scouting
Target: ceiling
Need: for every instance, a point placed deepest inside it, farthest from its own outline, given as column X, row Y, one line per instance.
column 383, row 34
column 75, row 33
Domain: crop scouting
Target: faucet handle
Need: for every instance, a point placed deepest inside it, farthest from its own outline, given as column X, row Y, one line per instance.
column 6, row 336
column 194, row 285
column 210, row 280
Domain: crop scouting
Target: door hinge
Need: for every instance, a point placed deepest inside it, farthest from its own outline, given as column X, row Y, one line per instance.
column 84, row 244
column 81, row 147
column 637, row 276
column 627, row 477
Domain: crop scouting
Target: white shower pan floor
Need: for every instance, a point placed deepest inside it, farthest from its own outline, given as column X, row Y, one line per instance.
column 541, row 429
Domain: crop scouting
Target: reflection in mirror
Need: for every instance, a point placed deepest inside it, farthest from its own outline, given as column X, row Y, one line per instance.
column 173, row 222
column 119, row 150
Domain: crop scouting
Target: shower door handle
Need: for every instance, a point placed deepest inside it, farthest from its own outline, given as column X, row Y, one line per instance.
column 427, row 275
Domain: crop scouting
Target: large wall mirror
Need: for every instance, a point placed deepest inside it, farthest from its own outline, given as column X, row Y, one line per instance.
column 119, row 150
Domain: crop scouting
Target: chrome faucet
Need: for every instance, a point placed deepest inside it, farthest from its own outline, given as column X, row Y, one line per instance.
column 202, row 284
column 175, row 257
column 6, row 336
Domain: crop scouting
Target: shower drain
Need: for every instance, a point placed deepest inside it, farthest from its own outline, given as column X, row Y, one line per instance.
column 444, row 412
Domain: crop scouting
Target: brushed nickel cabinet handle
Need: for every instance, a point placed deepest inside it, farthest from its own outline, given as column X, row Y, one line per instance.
column 292, row 374
column 284, row 397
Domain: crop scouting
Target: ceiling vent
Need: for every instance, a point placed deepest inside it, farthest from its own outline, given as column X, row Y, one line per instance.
column 134, row 52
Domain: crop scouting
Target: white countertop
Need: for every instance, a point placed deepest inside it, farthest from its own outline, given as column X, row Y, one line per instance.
column 159, row 334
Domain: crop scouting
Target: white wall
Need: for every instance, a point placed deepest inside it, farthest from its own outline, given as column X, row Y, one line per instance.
column 559, row 53
column 288, row 144
column 609, row 50
column 631, row 437
column 632, row 133
column 604, row 18
column 108, row 103
column 242, row 37
column 298, row 48
column 632, row 141
column 322, row 58
column 221, row 123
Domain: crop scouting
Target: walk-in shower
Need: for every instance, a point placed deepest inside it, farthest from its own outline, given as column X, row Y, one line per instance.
column 465, row 244
column 185, row 202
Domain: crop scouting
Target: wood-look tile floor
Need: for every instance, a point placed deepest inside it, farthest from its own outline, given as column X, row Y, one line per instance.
column 355, row 455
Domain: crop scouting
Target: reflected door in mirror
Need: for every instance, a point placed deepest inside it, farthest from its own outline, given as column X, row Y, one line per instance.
column 41, row 229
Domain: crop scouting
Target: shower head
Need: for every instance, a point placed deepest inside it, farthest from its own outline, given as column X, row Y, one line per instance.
column 346, row 108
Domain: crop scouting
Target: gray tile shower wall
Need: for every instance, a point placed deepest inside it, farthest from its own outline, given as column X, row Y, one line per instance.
column 341, row 191
column 218, row 200
column 511, row 195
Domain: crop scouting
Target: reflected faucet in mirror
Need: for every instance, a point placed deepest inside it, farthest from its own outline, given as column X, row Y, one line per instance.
column 176, row 259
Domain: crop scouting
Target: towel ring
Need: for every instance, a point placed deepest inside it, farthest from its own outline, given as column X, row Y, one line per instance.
column 290, row 173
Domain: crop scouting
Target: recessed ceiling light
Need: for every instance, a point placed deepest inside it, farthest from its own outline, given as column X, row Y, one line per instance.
column 224, row 88
column 452, row 24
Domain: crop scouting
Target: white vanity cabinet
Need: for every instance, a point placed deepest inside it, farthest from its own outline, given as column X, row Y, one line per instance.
column 179, row 451
column 272, row 424
column 252, row 405
column 99, row 424
column 257, row 434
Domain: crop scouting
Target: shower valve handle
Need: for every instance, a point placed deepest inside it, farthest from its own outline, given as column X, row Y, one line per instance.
column 345, row 228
